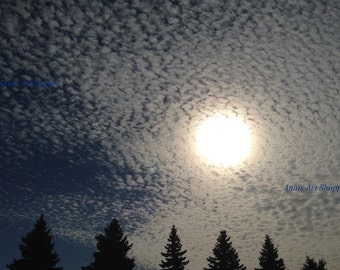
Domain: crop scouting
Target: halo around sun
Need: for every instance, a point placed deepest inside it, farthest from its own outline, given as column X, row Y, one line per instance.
column 223, row 141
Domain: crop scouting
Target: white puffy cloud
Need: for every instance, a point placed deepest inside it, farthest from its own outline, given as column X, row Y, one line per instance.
column 116, row 138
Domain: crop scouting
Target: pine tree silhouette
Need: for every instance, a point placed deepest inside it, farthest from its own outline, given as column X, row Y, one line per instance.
column 310, row 264
column 225, row 256
column 112, row 250
column 37, row 250
column 269, row 257
column 174, row 259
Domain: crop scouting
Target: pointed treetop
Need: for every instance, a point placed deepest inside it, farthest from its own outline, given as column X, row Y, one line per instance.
column 224, row 256
column 269, row 259
column 112, row 248
column 37, row 250
column 174, row 256
column 310, row 264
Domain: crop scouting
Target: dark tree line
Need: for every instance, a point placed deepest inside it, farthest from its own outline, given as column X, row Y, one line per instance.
column 113, row 247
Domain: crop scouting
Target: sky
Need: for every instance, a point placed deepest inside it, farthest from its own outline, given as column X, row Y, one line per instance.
column 100, row 102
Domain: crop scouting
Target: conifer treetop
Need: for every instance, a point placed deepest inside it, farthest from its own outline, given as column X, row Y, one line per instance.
column 269, row 259
column 112, row 248
column 224, row 256
column 37, row 250
column 174, row 256
column 310, row 264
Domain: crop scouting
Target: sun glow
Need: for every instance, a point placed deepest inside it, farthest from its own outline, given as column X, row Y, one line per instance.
column 223, row 141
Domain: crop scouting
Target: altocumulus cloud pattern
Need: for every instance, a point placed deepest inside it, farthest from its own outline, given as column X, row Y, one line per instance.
column 115, row 136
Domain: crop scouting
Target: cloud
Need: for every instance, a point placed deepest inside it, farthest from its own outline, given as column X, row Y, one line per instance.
column 116, row 139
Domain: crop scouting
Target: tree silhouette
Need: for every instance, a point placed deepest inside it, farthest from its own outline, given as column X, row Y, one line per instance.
column 112, row 250
column 269, row 257
column 174, row 259
column 310, row 264
column 37, row 250
column 225, row 256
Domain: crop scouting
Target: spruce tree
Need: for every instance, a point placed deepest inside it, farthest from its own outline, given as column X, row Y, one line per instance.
column 174, row 256
column 225, row 256
column 37, row 250
column 112, row 248
column 269, row 257
column 310, row 264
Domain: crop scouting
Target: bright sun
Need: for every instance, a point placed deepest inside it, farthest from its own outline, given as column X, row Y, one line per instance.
column 223, row 141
